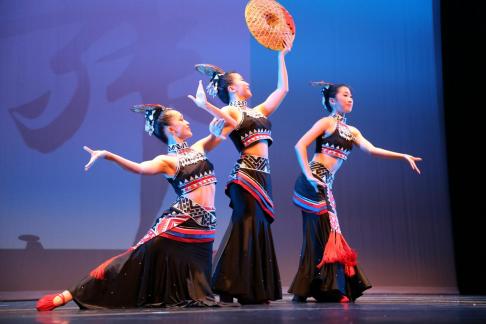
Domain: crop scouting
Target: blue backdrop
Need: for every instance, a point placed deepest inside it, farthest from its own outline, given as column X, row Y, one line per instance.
column 70, row 70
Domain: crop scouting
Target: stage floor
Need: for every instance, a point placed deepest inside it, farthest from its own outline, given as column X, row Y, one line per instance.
column 371, row 308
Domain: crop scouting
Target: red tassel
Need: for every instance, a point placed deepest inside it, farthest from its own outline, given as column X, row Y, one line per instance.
column 46, row 303
column 349, row 270
column 99, row 272
column 338, row 250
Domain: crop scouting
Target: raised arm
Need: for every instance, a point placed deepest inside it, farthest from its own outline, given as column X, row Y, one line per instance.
column 201, row 101
column 301, row 149
column 369, row 148
column 159, row 165
column 275, row 99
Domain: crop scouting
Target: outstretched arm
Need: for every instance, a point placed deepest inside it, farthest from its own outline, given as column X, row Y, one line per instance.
column 276, row 98
column 201, row 101
column 301, row 150
column 155, row 166
column 369, row 148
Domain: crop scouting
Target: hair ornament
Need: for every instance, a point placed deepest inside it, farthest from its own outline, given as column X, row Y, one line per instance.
column 324, row 85
column 212, row 87
column 151, row 113
column 215, row 73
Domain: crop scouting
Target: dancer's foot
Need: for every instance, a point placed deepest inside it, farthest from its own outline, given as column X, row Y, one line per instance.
column 50, row 302
column 344, row 299
column 224, row 304
column 299, row 299
column 227, row 301
column 225, row 298
column 243, row 301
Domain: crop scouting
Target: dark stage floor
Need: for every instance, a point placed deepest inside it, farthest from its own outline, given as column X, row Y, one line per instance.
column 371, row 308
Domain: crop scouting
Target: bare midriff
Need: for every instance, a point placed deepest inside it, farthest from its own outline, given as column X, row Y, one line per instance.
column 331, row 163
column 203, row 196
column 259, row 148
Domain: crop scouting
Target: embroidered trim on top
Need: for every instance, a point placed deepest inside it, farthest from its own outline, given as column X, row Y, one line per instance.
column 249, row 112
column 189, row 156
column 186, row 156
column 197, row 181
column 344, row 131
column 256, row 135
column 335, row 151
column 253, row 113
column 175, row 148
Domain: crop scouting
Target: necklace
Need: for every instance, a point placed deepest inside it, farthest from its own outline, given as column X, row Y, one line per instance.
column 342, row 127
column 177, row 147
column 238, row 103
column 339, row 117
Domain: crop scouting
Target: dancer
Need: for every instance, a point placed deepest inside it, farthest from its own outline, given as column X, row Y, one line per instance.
column 171, row 264
column 328, row 268
column 246, row 265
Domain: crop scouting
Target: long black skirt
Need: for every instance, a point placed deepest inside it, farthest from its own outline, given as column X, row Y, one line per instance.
column 329, row 283
column 159, row 273
column 246, row 265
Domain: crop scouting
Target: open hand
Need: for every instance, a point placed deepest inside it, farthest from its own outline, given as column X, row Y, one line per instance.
column 288, row 43
column 411, row 160
column 95, row 155
column 316, row 183
column 200, row 100
column 216, row 128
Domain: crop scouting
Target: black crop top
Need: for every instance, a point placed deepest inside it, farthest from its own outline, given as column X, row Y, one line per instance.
column 339, row 144
column 193, row 170
column 254, row 127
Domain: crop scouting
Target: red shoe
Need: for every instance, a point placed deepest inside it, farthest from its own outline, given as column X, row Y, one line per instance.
column 344, row 299
column 46, row 303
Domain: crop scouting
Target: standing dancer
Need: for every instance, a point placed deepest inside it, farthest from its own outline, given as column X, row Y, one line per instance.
column 328, row 268
column 246, row 265
column 171, row 264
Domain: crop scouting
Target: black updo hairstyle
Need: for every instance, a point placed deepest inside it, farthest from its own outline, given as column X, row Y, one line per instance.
column 330, row 91
column 156, row 118
column 222, row 82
